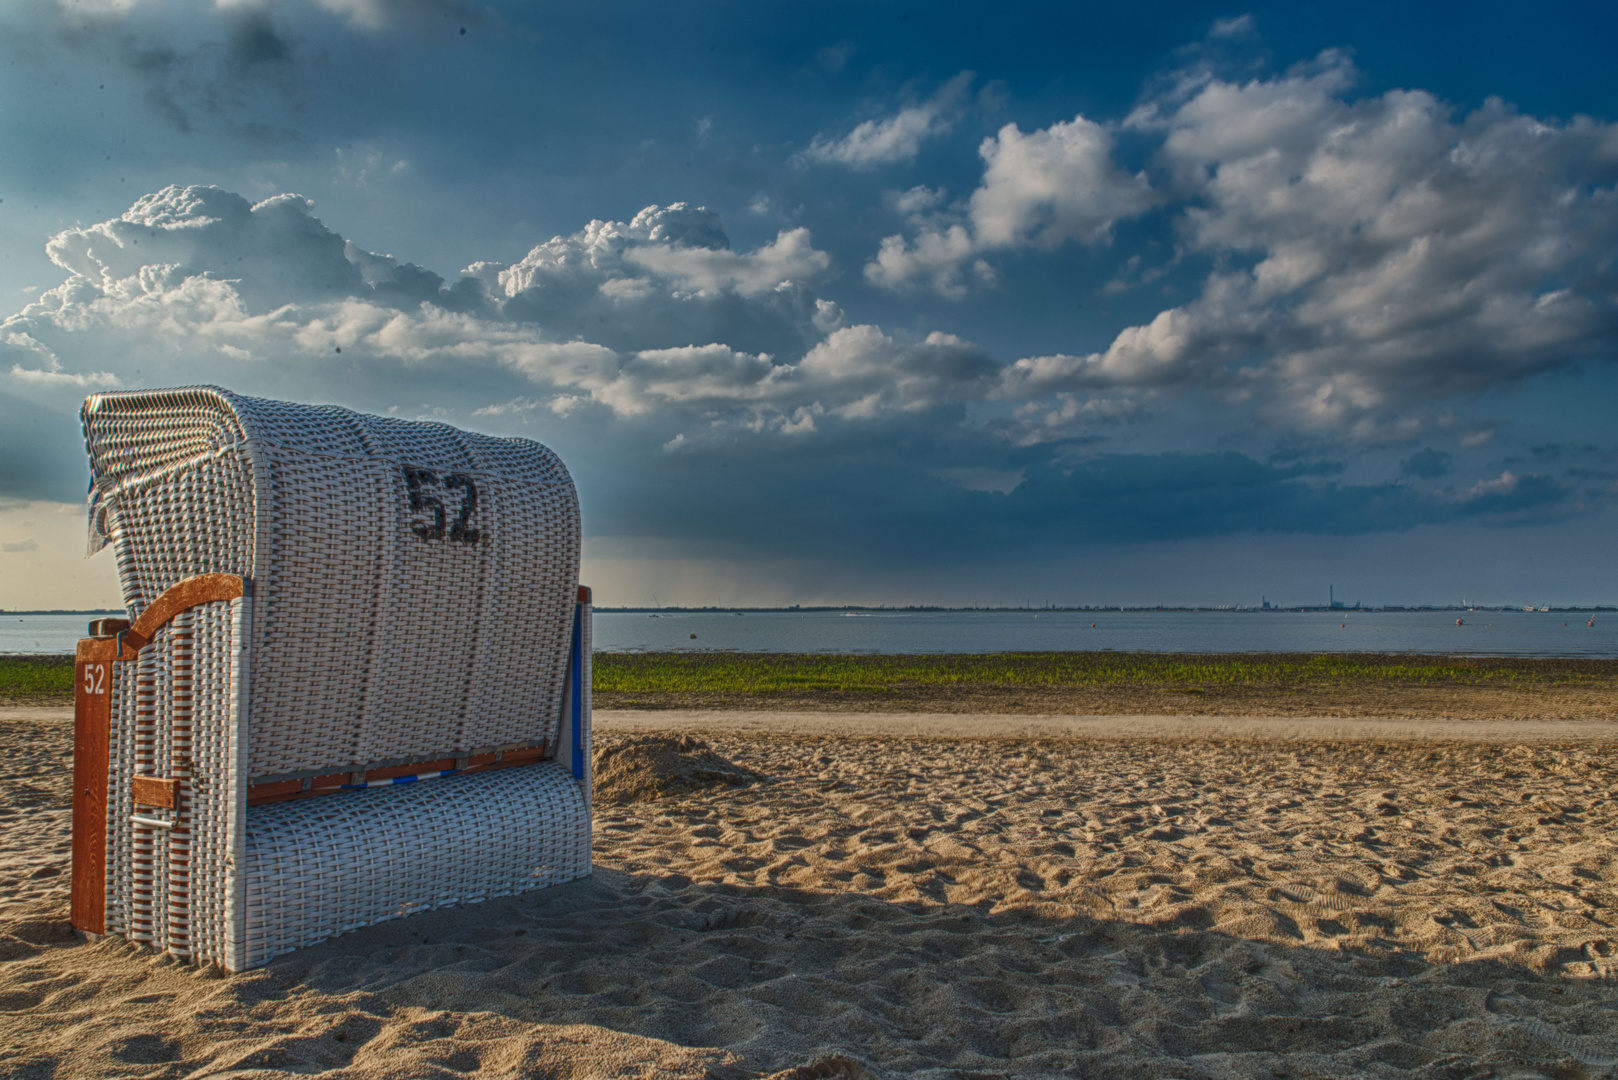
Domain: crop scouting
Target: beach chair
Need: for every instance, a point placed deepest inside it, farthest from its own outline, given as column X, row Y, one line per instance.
column 354, row 682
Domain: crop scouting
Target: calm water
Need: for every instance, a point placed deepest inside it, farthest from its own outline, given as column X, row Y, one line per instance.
column 42, row 633
column 1494, row 633
column 1487, row 633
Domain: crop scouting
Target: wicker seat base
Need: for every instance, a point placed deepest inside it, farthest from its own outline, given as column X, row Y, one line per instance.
column 317, row 868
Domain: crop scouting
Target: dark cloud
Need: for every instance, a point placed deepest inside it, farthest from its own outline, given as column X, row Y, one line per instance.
column 229, row 71
column 864, row 497
column 1427, row 464
column 254, row 40
column 41, row 451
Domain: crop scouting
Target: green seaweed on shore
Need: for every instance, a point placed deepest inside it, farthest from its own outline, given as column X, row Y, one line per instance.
column 36, row 676
column 789, row 673
column 811, row 673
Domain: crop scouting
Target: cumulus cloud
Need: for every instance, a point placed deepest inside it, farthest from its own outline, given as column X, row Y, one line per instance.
column 655, row 318
column 874, row 373
column 668, row 276
column 653, row 332
column 1039, row 190
column 273, row 252
column 892, row 139
column 1367, row 258
column 1065, row 417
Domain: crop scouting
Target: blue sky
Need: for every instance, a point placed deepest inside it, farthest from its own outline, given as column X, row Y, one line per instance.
column 868, row 303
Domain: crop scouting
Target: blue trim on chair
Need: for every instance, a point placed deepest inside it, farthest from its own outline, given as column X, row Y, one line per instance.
column 576, row 671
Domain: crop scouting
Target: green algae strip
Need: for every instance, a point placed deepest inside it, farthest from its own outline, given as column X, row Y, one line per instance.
column 799, row 673
column 770, row 673
column 36, row 676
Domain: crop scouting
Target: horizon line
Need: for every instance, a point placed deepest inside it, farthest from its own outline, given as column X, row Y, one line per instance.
column 1338, row 608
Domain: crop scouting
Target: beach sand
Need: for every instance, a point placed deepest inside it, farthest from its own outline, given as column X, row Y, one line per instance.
column 930, row 895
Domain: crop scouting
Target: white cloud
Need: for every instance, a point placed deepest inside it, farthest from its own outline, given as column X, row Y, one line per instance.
column 1236, row 27
column 359, row 166
column 982, row 478
column 1369, row 257
column 1048, row 187
column 652, row 320
column 50, row 372
column 1504, row 484
column 710, row 271
column 690, row 373
column 918, row 200
column 272, row 252
column 1068, row 416
column 96, row 7
column 1040, row 190
column 382, row 14
column 1398, row 254
column 668, row 276
column 937, row 254
column 869, row 373
column 895, row 138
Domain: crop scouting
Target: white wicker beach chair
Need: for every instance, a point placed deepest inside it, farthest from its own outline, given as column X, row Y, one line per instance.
column 354, row 684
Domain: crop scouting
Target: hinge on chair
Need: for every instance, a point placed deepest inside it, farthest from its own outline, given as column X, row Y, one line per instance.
column 357, row 777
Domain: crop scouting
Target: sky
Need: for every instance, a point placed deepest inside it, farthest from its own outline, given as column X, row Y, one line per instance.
column 854, row 303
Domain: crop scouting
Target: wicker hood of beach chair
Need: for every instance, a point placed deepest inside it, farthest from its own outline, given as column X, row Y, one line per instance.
column 354, row 683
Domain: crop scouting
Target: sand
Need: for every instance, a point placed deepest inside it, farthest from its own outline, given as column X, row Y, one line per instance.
column 1363, row 697
column 938, row 896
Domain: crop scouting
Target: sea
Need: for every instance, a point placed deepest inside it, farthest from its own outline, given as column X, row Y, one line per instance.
column 1467, row 633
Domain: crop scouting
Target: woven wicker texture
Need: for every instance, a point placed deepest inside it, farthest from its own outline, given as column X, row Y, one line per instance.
column 319, row 867
column 414, row 584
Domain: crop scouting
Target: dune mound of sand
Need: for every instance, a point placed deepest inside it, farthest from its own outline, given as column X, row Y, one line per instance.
column 654, row 766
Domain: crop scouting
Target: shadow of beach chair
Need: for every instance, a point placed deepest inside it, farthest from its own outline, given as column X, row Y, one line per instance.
column 354, row 684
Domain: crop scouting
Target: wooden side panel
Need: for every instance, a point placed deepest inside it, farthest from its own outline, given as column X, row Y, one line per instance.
column 92, row 731
column 92, row 736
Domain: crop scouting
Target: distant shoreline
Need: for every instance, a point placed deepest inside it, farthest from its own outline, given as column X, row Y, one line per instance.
column 1242, row 608
column 892, row 609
